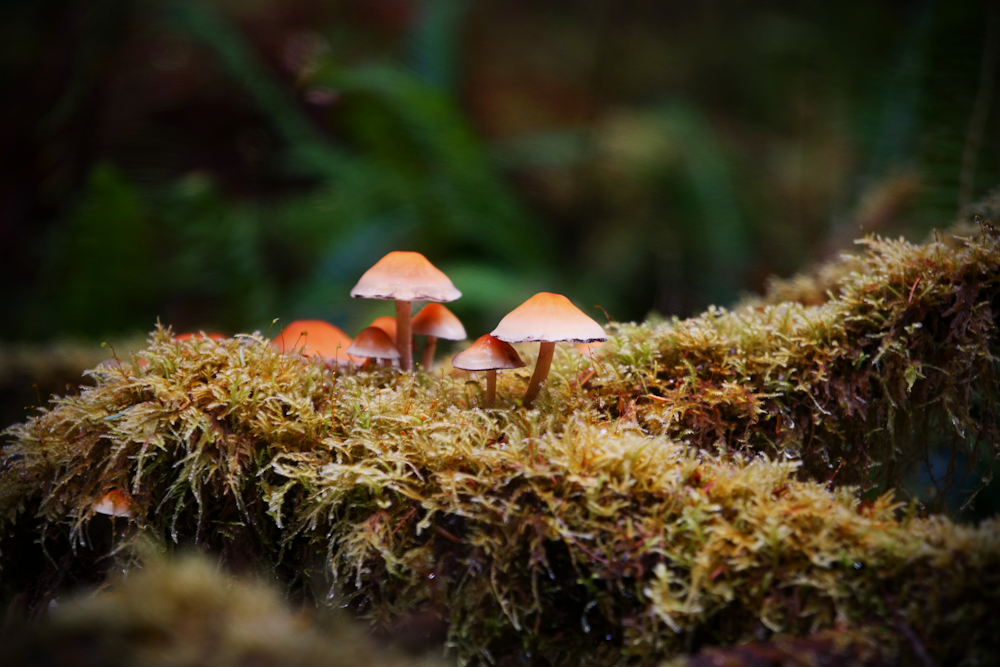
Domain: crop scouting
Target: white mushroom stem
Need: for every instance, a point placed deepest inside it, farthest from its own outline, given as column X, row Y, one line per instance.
column 491, row 388
column 404, row 339
column 429, row 348
column 545, row 352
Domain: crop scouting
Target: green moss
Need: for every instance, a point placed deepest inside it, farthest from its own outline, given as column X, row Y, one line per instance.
column 652, row 503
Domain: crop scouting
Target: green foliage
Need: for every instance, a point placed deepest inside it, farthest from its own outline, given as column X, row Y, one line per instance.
column 108, row 242
column 645, row 508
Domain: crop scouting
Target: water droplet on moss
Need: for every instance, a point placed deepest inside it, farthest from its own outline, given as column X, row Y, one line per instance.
column 857, row 565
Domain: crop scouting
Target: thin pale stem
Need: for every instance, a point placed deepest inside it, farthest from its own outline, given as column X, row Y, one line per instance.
column 404, row 339
column 545, row 352
column 429, row 348
column 491, row 388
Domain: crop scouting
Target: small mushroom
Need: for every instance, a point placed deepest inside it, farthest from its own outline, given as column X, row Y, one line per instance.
column 435, row 321
column 587, row 349
column 316, row 338
column 373, row 343
column 547, row 318
column 488, row 354
column 114, row 503
column 405, row 277
column 387, row 324
column 189, row 336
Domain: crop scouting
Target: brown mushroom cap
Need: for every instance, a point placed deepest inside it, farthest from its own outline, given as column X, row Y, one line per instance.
column 315, row 338
column 405, row 276
column 374, row 344
column 386, row 323
column 487, row 354
column 436, row 320
column 548, row 317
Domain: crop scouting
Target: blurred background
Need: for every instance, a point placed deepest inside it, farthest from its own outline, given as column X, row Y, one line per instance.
column 221, row 163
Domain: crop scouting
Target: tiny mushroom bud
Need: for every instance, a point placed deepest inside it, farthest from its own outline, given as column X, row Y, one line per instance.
column 315, row 338
column 114, row 503
column 488, row 354
column 405, row 277
column 373, row 343
column 547, row 318
column 435, row 321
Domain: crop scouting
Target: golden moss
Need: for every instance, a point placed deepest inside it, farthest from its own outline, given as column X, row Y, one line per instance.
column 901, row 359
column 685, row 487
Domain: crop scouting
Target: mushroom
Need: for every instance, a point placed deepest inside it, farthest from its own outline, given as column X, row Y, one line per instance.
column 587, row 349
column 114, row 503
column 373, row 343
column 315, row 338
column 405, row 277
column 435, row 321
column 386, row 323
column 547, row 318
column 488, row 354
column 189, row 336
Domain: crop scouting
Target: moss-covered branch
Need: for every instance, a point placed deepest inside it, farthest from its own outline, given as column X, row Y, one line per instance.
column 684, row 488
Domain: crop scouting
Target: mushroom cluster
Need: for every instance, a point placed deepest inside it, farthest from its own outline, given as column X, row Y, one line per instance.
column 405, row 277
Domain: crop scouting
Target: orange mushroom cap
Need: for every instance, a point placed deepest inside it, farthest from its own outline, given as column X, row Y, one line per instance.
column 386, row 323
column 436, row 320
column 487, row 354
column 315, row 338
column 405, row 276
column 114, row 503
column 550, row 318
column 373, row 343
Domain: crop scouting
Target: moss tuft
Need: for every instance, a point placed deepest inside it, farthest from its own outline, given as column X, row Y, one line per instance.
column 184, row 614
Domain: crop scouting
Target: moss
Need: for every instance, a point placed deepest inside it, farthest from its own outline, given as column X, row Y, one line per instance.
column 899, row 359
column 692, row 485
column 186, row 613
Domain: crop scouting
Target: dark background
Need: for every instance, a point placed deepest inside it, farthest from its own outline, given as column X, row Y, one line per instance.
column 218, row 164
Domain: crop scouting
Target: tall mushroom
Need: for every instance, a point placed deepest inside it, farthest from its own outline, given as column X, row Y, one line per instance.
column 315, row 338
column 488, row 354
column 405, row 277
column 373, row 343
column 547, row 318
column 435, row 321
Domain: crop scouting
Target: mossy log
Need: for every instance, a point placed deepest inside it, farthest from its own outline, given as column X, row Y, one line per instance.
column 694, row 484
